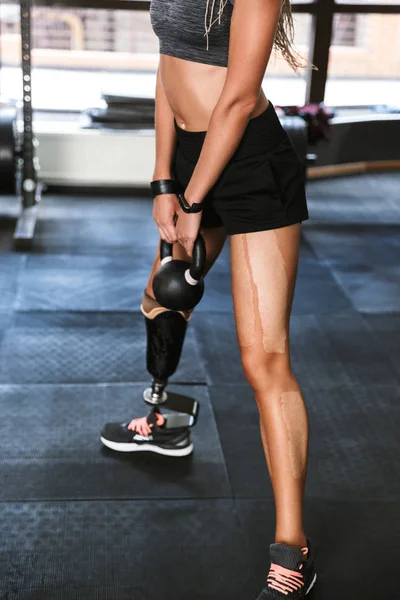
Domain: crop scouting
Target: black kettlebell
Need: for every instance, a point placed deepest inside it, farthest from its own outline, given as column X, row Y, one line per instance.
column 178, row 284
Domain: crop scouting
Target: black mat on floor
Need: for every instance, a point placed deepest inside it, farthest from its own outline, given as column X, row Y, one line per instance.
column 83, row 348
column 84, row 283
column 353, row 439
column 63, row 458
column 10, row 266
column 355, row 544
column 375, row 291
column 149, row 550
column 355, row 244
column 339, row 349
column 385, row 331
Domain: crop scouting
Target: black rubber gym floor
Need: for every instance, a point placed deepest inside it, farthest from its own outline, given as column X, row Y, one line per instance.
column 79, row 522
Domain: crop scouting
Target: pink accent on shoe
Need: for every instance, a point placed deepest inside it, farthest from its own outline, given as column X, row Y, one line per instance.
column 284, row 580
column 141, row 425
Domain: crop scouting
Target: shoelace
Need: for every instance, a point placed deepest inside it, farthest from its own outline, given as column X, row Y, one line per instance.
column 285, row 580
column 141, row 425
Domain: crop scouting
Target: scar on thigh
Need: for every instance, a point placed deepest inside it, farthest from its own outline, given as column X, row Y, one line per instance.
column 245, row 311
column 295, row 418
column 268, row 286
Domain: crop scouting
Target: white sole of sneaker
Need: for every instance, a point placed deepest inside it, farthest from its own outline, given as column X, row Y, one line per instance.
column 312, row 583
column 147, row 448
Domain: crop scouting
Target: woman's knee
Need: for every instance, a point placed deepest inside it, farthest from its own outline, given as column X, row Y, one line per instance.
column 262, row 369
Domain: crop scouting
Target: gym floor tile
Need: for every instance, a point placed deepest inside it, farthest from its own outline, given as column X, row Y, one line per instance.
column 10, row 265
column 217, row 294
column 134, row 238
column 5, row 320
column 353, row 439
column 385, row 330
column 340, row 349
column 372, row 290
column 350, row 212
column 356, row 548
column 56, row 347
column 60, row 455
column 84, row 283
column 382, row 186
column 158, row 550
column 91, row 207
column 217, row 342
column 316, row 290
column 363, row 246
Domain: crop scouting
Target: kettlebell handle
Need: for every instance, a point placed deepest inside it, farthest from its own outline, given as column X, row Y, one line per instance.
column 198, row 259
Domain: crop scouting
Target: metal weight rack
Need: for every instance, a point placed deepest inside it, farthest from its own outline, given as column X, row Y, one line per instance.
column 29, row 188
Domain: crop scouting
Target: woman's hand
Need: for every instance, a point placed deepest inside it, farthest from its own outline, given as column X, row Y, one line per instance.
column 165, row 209
column 187, row 229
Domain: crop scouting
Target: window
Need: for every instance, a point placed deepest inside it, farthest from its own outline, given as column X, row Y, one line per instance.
column 345, row 30
column 281, row 84
column 78, row 53
column 367, row 71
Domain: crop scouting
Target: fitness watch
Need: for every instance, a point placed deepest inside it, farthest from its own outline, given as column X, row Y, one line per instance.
column 189, row 208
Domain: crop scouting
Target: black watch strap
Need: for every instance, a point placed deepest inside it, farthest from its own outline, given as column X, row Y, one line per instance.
column 189, row 208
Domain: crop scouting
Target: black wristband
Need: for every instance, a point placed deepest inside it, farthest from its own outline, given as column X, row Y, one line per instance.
column 164, row 186
column 189, row 208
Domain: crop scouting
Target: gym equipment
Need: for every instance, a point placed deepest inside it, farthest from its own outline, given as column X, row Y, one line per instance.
column 165, row 337
column 178, row 284
column 8, row 149
column 18, row 164
column 122, row 112
column 306, row 125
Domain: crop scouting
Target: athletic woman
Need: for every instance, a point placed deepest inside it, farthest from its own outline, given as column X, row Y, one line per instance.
column 218, row 135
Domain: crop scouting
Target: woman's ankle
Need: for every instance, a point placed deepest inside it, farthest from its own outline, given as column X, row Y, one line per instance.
column 298, row 540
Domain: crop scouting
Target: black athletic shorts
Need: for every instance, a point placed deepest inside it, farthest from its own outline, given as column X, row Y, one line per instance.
column 261, row 187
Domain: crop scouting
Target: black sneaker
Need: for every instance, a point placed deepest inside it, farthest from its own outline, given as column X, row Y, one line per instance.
column 292, row 573
column 148, row 434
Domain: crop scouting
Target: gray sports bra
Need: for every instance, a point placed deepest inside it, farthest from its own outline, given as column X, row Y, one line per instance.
column 183, row 30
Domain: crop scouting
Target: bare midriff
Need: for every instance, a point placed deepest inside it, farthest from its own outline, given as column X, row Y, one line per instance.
column 193, row 89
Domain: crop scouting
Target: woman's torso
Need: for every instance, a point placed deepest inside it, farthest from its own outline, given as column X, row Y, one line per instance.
column 192, row 88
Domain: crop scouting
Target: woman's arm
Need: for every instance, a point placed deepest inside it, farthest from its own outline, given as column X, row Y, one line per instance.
column 165, row 206
column 252, row 32
column 164, row 131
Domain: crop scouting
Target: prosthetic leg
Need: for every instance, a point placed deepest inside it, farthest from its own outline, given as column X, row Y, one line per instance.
column 166, row 428
column 166, row 330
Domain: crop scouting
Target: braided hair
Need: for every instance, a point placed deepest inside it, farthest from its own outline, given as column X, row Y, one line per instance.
column 284, row 33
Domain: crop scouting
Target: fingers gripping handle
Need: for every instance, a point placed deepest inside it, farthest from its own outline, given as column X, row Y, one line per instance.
column 198, row 259
column 179, row 284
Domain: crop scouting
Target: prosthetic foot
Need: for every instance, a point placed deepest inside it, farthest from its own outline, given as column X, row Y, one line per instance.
column 166, row 428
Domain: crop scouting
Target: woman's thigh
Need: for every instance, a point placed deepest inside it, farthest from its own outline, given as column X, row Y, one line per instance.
column 264, row 269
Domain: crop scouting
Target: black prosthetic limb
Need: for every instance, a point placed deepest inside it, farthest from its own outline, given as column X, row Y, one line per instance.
column 165, row 336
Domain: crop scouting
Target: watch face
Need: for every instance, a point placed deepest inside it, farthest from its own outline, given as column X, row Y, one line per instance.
column 183, row 202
